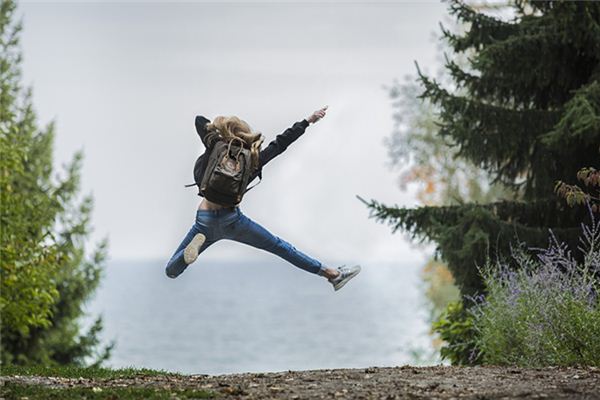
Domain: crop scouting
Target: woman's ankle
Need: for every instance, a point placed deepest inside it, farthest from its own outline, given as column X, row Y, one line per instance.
column 331, row 273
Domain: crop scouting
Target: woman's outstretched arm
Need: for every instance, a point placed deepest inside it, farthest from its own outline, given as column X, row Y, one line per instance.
column 283, row 140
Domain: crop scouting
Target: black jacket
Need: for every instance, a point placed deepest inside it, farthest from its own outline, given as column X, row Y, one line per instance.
column 276, row 147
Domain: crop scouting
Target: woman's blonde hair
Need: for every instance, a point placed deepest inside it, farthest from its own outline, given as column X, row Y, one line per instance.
column 232, row 126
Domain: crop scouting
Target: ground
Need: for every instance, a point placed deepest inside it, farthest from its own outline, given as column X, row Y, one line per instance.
column 406, row 382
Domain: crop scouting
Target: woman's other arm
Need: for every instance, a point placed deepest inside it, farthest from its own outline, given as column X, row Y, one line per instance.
column 206, row 137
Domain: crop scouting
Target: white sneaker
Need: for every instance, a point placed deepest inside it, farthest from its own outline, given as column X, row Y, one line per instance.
column 346, row 273
column 190, row 253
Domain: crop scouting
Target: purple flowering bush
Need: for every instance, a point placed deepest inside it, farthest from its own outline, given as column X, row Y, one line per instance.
column 547, row 312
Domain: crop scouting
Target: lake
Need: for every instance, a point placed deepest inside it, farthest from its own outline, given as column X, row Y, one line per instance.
column 259, row 316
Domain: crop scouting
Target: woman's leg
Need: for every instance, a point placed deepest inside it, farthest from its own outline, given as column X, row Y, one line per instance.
column 249, row 232
column 177, row 264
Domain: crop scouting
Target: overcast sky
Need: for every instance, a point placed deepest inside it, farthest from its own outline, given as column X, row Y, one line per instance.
column 124, row 82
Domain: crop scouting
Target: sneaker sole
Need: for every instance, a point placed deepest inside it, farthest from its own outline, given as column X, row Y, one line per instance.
column 190, row 254
column 342, row 283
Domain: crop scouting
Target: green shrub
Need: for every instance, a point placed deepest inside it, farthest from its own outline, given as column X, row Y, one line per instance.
column 455, row 327
column 547, row 312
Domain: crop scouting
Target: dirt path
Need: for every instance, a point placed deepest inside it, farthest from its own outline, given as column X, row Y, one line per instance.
column 372, row 383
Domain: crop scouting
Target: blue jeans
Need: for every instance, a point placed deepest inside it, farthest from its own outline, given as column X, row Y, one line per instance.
column 232, row 224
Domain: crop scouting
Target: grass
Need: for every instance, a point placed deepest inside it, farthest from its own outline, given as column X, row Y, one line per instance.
column 81, row 372
column 14, row 391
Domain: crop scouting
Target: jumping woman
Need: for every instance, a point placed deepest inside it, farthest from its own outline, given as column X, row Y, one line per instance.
column 218, row 219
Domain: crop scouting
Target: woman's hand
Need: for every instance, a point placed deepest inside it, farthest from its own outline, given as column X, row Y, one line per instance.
column 317, row 115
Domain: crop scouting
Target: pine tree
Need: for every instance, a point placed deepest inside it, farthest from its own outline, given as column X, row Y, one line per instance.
column 526, row 110
column 45, row 273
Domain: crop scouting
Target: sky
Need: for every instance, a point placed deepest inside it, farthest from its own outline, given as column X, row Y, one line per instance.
column 123, row 82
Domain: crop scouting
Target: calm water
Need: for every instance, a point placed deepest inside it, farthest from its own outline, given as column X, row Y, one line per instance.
column 261, row 316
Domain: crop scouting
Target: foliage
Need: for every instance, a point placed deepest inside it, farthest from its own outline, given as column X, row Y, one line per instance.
column 45, row 274
column 547, row 312
column 524, row 111
column 466, row 234
column 27, row 289
column 573, row 194
column 455, row 327
column 426, row 159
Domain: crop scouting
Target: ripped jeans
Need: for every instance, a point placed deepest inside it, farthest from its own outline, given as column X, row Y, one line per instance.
column 232, row 224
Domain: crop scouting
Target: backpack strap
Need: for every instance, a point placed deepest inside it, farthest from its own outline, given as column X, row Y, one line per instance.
column 259, row 181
